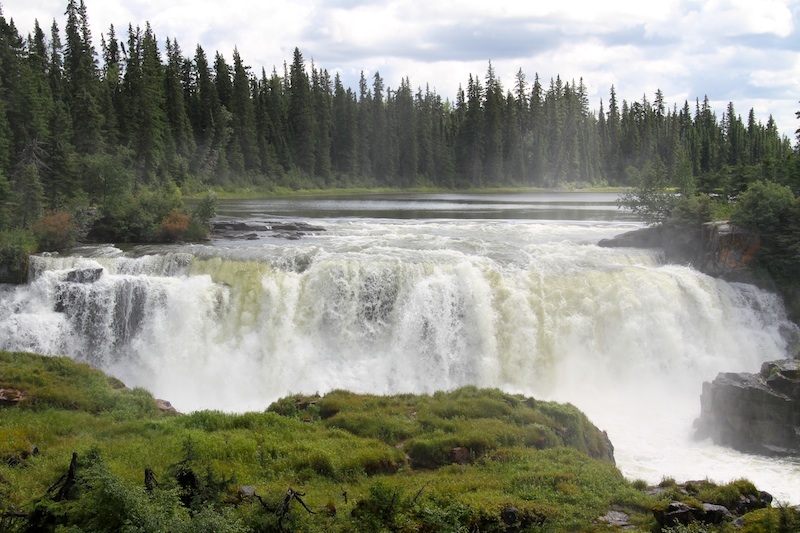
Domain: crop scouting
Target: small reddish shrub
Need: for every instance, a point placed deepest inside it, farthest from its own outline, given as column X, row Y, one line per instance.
column 173, row 228
column 55, row 231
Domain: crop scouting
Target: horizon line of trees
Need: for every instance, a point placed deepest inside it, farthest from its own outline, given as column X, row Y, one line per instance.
column 132, row 116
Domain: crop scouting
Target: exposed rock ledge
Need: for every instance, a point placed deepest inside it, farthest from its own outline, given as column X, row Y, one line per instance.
column 756, row 413
column 716, row 248
column 255, row 230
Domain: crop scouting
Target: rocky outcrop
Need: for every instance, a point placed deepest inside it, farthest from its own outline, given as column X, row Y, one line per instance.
column 83, row 275
column 10, row 397
column 757, row 413
column 728, row 250
column 166, row 407
column 255, row 230
column 716, row 248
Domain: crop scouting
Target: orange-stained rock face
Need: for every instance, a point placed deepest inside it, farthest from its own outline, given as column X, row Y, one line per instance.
column 735, row 248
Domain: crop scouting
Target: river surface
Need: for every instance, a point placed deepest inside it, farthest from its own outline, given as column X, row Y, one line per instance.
column 418, row 293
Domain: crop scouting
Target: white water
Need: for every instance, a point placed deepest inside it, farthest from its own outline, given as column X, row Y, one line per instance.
column 386, row 306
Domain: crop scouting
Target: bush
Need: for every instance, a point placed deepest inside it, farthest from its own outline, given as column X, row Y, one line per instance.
column 649, row 197
column 174, row 227
column 137, row 217
column 55, row 231
column 15, row 247
column 766, row 207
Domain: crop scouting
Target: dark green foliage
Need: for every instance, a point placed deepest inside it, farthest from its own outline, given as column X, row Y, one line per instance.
column 649, row 197
column 28, row 200
column 15, row 247
column 144, row 119
column 773, row 211
column 136, row 217
column 765, row 206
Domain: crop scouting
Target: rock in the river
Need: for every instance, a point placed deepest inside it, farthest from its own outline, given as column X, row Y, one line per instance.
column 83, row 275
column 245, row 230
column 757, row 413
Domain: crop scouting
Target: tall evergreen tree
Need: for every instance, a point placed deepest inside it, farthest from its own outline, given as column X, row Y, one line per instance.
column 243, row 117
column 300, row 116
column 80, row 73
column 344, row 130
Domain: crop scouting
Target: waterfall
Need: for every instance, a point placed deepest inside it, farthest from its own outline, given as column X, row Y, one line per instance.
column 238, row 334
column 389, row 309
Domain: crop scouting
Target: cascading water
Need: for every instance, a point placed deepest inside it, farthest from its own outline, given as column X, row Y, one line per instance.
column 382, row 306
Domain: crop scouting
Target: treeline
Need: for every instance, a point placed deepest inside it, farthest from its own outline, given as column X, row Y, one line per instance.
column 98, row 124
column 103, row 145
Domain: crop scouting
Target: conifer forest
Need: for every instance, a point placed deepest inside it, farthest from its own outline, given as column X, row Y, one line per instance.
column 133, row 119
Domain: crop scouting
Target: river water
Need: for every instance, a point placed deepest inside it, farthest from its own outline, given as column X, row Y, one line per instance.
column 418, row 293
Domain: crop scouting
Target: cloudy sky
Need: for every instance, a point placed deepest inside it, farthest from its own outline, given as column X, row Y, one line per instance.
column 741, row 51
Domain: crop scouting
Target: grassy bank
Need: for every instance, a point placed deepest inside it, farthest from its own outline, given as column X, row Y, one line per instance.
column 81, row 450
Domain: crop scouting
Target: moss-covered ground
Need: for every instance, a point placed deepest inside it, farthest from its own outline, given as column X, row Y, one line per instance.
column 81, row 452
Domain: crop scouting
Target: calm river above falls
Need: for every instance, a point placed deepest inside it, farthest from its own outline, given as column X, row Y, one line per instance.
column 416, row 293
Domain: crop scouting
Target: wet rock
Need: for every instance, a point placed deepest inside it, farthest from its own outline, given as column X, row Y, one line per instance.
column 728, row 250
column 289, row 235
column 715, row 514
column 757, row 413
column 294, row 226
column 254, row 230
column 676, row 513
column 83, row 275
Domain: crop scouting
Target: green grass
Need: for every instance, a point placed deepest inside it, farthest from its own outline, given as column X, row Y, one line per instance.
column 358, row 462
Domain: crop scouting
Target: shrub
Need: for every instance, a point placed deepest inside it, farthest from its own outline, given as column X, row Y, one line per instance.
column 55, row 231
column 15, row 247
column 765, row 207
column 649, row 197
column 174, row 227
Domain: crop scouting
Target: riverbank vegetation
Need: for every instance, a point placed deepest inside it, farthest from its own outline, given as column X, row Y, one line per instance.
column 104, row 141
column 80, row 451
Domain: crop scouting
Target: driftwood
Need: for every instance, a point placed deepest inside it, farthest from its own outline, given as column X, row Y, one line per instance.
column 150, row 481
column 66, row 482
column 283, row 507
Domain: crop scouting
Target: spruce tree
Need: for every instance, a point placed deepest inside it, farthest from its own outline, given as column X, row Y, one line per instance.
column 301, row 117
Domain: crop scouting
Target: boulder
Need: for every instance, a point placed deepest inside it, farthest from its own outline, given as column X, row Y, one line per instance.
column 756, row 413
column 253, row 230
column 10, row 397
column 83, row 275
column 165, row 407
